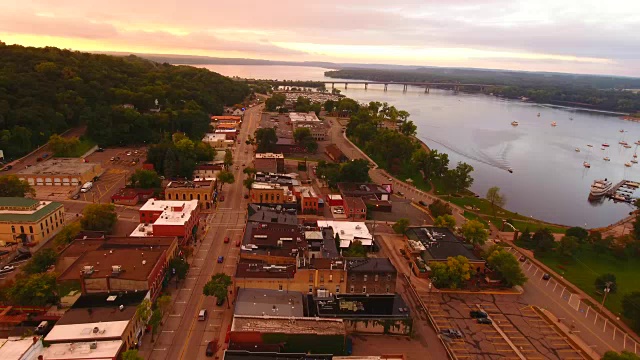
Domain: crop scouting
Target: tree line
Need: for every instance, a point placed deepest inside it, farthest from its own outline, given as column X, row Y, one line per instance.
column 45, row 91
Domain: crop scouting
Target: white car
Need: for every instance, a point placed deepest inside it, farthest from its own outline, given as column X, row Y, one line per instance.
column 7, row 268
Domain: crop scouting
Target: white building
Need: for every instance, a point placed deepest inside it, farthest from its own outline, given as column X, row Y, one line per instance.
column 113, row 330
column 348, row 231
column 217, row 140
column 94, row 350
column 309, row 118
column 16, row 348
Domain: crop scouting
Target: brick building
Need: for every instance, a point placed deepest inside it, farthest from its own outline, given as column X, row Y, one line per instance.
column 131, row 197
column 269, row 163
column 355, row 208
column 169, row 218
column 60, row 172
column 265, row 193
column 371, row 276
column 309, row 200
column 29, row 221
column 199, row 189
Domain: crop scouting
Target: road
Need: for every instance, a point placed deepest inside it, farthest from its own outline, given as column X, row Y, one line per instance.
column 182, row 336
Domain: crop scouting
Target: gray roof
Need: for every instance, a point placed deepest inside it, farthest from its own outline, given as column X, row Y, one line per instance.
column 258, row 302
column 263, row 214
column 370, row 265
column 441, row 243
column 330, row 250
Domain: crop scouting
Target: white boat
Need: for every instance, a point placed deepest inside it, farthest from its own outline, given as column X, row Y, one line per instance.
column 627, row 164
column 606, row 158
column 627, row 146
column 577, row 149
column 554, row 124
column 586, row 164
column 637, row 142
column 622, row 142
column 635, row 161
column 600, row 187
column 514, row 123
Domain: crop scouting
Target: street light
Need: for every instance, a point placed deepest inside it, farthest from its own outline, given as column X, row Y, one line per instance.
column 607, row 289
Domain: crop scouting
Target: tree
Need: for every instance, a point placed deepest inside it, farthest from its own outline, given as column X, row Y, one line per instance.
column 606, row 280
column 474, row 232
column 507, row 267
column 164, row 304
column 460, row 176
column 631, row 308
column 636, row 226
column 143, row 311
column 439, row 208
column 225, row 177
column 452, row 273
column 67, row 234
column 63, row 147
column 170, row 165
column 250, row 171
column 154, row 322
column 145, row 179
column 228, row 159
column 248, row 183
column 525, row 240
column 275, row 101
column 568, row 245
column 579, row 233
column 41, row 261
column 266, row 139
column 34, row 290
column 603, row 245
column 180, row 266
column 204, row 151
column 187, row 251
column 329, row 105
column 625, row 355
column 447, row 221
column 543, row 241
column 354, row 171
column 218, row 286
column 303, row 137
column 12, row 186
column 400, row 227
column 99, row 217
column 356, row 249
column 408, row 128
column 495, row 198
column 131, row 355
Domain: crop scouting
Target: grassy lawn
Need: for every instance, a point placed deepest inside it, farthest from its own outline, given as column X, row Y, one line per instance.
column 584, row 267
column 84, row 146
column 532, row 225
column 472, row 216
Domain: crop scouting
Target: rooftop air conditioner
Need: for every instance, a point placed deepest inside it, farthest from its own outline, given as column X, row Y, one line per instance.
column 93, row 345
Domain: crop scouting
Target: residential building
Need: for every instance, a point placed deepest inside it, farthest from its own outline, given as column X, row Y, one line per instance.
column 355, row 208
column 217, row 140
column 60, row 172
column 131, row 196
column 98, row 350
column 371, row 276
column 18, row 348
column 169, row 218
column 265, row 193
column 436, row 244
column 269, row 163
column 199, row 189
column 348, row 232
column 29, row 221
column 335, row 154
column 117, row 264
column 309, row 200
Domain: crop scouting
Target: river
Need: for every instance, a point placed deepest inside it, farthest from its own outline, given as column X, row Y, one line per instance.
column 548, row 180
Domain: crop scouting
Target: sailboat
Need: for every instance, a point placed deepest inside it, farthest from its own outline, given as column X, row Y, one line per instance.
column 553, row 123
column 538, row 114
column 586, row 162
column 627, row 164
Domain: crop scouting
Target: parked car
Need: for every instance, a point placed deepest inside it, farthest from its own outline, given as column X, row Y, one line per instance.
column 100, row 149
column 484, row 321
column 452, row 333
column 399, row 193
column 8, row 167
column 238, row 243
column 113, row 158
column 422, row 203
column 220, row 301
column 221, row 198
column 226, row 239
column 7, row 269
column 478, row 314
column 76, row 197
column 220, row 259
column 546, row 277
column 212, row 347
column 522, row 258
column 246, row 196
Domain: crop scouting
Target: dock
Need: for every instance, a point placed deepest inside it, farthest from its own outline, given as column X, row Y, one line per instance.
column 622, row 191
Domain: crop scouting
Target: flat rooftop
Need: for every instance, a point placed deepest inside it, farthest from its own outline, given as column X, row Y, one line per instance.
column 306, row 191
column 370, row 265
column 213, row 137
column 87, row 331
column 263, row 214
column 103, row 308
column 13, row 209
column 174, row 212
column 60, row 166
column 440, row 243
column 358, row 306
column 303, row 117
column 14, row 348
column 361, row 189
column 269, row 156
column 234, row 354
column 259, row 302
column 264, row 271
column 82, row 350
column 348, row 231
column 292, row 325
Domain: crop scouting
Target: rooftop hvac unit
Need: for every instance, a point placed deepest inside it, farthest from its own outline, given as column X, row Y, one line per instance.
column 87, row 269
column 116, row 269
column 358, row 227
column 96, row 330
column 144, row 262
column 93, row 345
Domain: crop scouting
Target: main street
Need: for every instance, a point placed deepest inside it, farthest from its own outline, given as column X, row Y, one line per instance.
column 182, row 336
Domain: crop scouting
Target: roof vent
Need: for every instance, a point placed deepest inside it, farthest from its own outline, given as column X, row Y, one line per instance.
column 116, row 269
column 144, row 262
column 87, row 269
column 95, row 330
column 121, row 307
column 93, row 345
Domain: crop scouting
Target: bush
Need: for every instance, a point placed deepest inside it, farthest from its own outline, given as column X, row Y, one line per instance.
column 439, row 208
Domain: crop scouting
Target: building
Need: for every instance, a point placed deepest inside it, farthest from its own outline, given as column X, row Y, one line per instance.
column 18, row 348
column 273, row 239
column 309, row 200
column 269, row 163
column 117, row 264
column 217, row 140
column 371, row 276
column 335, row 200
column 226, row 119
column 289, row 180
column 261, row 352
column 265, row 193
column 229, row 133
column 96, row 350
column 259, row 302
column 208, row 170
column 335, row 154
column 293, row 334
column 131, row 196
column 169, row 218
column 199, row 189
column 298, row 118
column 317, row 130
column 348, row 232
column 29, row 221
column 429, row 244
column 355, row 208
column 60, row 172
column 364, row 190
column 262, row 214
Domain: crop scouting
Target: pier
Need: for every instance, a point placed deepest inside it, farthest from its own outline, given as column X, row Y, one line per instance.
column 622, row 191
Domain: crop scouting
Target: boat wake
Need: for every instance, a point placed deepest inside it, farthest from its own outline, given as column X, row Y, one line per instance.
column 479, row 156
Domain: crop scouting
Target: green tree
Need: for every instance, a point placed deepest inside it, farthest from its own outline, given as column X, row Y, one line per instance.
column 249, row 171
column 99, row 217
column 460, row 176
column 439, row 208
column 631, row 308
column 266, row 139
column 163, row 303
column 625, row 355
column 218, row 286
column 451, row 274
column 408, row 128
column 603, row 245
column 568, row 245
column 63, row 147
column 131, row 355
column 329, row 105
column 401, row 226
column 579, row 233
column 145, row 179
column 41, row 261
column 34, row 290
column 475, row 232
column 356, row 171
column 356, row 249
column 248, row 183
column 180, row 266
column 275, row 101
column 303, row 137
column 606, row 280
column 447, row 221
column 12, row 186
column 204, row 151
column 543, row 241
column 228, row 159
column 143, row 311
column 525, row 240
column 225, row 177
column 67, row 234
column 495, row 198
column 170, row 165
column 507, row 267
column 154, row 322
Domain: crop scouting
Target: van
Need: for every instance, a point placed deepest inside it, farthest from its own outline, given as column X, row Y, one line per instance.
column 86, row 187
column 202, row 315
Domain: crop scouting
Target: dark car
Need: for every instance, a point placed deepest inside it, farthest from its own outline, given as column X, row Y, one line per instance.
column 220, row 301
column 96, row 178
column 8, row 167
column 100, row 149
column 484, row 321
column 226, row 239
column 246, row 196
column 221, row 198
column 522, row 258
column 220, row 259
column 546, row 277
column 452, row 333
column 477, row 314
column 238, row 243
column 212, row 346
column 422, row 203
column 76, row 197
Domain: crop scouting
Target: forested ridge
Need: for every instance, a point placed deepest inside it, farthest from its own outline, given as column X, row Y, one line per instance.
column 591, row 91
column 44, row 91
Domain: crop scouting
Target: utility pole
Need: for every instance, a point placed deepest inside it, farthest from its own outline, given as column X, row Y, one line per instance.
column 607, row 289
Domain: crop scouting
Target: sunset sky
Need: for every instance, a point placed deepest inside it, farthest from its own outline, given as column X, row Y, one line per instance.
column 581, row 36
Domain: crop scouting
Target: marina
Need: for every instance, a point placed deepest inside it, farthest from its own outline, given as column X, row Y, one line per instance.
column 620, row 192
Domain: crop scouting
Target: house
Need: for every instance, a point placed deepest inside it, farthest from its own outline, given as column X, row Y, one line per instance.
column 29, row 221
column 355, row 208
column 371, row 276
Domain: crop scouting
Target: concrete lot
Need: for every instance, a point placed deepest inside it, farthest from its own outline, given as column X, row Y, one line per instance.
column 372, row 345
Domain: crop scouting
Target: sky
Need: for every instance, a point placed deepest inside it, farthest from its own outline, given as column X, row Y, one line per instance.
column 578, row 36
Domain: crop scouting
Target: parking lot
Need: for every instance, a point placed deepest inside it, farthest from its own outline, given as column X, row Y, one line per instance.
column 517, row 329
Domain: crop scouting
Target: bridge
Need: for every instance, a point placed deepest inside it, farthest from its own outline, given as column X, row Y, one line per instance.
column 427, row 85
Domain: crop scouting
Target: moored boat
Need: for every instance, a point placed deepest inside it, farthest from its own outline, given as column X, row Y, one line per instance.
column 554, row 123
column 606, row 158
column 600, row 187
column 514, row 123
column 586, row 164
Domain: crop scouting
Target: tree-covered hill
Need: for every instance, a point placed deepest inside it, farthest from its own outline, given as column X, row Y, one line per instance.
column 49, row 90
